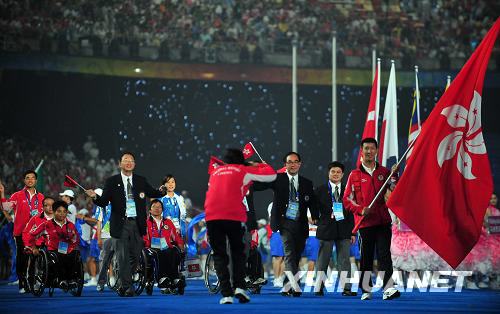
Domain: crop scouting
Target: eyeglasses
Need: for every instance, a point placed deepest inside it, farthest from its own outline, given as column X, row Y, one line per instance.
column 293, row 162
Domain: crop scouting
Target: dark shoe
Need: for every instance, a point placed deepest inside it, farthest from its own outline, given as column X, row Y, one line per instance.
column 72, row 285
column 288, row 293
column 125, row 292
column 63, row 285
column 296, row 294
column 319, row 293
column 241, row 295
column 349, row 293
column 100, row 287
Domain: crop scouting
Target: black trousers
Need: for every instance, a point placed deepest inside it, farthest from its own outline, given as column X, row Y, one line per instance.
column 378, row 237
column 128, row 249
column 68, row 265
column 293, row 244
column 168, row 262
column 233, row 231
column 21, row 262
column 254, row 268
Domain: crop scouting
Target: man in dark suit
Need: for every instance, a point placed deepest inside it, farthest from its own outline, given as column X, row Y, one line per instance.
column 335, row 226
column 127, row 194
column 293, row 195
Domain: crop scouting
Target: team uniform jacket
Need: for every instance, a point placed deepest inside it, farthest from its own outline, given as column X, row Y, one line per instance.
column 168, row 232
column 361, row 189
column 55, row 234
column 33, row 224
column 22, row 210
column 228, row 185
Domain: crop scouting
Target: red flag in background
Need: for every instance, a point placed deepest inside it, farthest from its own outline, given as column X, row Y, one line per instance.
column 444, row 192
column 371, row 124
column 69, row 182
column 214, row 163
column 248, row 150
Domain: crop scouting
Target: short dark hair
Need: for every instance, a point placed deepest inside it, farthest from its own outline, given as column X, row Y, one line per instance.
column 291, row 153
column 58, row 204
column 234, row 156
column 369, row 140
column 28, row 172
column 337, row 164
column 48, row 198
column 167, row 177
column 126, row 153
column 154, row 201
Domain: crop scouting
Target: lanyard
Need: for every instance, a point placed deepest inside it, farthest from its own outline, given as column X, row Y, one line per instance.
column 172, row 201
column 27, row 194
column 156, row 225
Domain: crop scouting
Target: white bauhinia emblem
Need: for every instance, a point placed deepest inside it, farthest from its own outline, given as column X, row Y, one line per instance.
column 246, row 152
column 470, row 142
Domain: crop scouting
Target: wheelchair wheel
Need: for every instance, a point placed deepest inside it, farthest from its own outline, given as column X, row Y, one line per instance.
column 113, row 272
column 140, row 282
column 79, row 277
column 211, row 280
column 40, row 274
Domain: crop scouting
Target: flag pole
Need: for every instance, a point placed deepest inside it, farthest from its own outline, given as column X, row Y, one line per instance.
column 81, row 187
column 256, row 151
column 356, row 227
column 39, row 165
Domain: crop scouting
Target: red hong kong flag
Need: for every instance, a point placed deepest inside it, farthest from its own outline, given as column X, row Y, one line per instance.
column 248, row 150
column 281, row 170
column 445, row 189
column 69, row 182
column 371, row 123
column 214, row 163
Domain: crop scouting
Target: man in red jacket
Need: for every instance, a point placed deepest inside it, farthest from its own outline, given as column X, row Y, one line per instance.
column 26, row 204
column 375, row 227
column 226, row 216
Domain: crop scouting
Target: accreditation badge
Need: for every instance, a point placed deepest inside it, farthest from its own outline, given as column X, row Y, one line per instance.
column 338, row 211
column 63, row 247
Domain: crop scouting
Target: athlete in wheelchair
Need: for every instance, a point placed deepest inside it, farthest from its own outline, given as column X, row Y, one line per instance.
column 56, row 263
column 163, row 253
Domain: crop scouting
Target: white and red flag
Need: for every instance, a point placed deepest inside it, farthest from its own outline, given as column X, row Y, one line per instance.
column 248, row 150
column 445, row 189
column 388, row 144
column 371, row 124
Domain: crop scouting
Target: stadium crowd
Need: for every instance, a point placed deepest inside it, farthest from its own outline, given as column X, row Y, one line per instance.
column 397, row 29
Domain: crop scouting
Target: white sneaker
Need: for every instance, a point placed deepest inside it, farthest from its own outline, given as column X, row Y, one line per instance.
column 366, row 296
column 91, row 283
column 278, row 283
column 241, row 295
column 22, row 291
column 13, row 283
column 226, row 300
column 391, row 293
column 112, row 281
column 471, row 285
column 135, row 277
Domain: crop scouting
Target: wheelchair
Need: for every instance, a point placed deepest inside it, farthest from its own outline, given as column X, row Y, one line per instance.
column 43, row 273
column 254, row 264
column 152, row 269
column 138, row 275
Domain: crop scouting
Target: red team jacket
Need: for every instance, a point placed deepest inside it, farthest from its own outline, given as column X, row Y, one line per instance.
column 22, row 209
column 227, row 186
column 168, row 231
column 360, row 190
column 55, row 234
column 35, row 222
